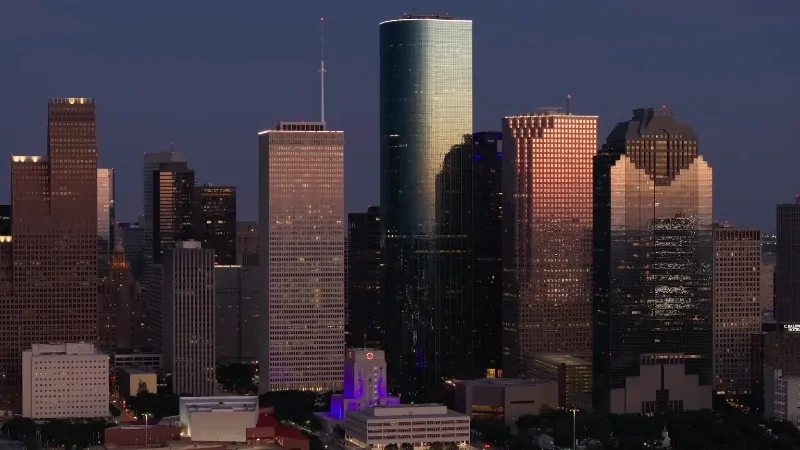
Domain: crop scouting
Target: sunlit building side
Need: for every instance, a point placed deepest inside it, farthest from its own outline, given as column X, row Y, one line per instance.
column 425, row 110
column 547, row 215
column 652, row 253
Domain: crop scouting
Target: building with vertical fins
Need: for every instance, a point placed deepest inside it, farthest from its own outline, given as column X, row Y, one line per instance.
column 653, row 259
column 215, row 221
column 364, row 272
column 547, row 214
column 425, row 111
column 106, row 219
column 486, row 233
column 189, row 325
column 787, row 267
column 302, row 252
column 737, row 306
column 54, row 223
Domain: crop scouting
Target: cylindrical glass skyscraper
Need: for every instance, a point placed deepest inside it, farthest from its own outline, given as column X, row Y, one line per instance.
column 425, row 112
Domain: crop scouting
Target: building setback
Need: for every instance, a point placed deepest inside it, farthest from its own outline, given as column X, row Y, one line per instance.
column 247, row 243
column 54, row 200
column 301, row 215
column 547, row 214
column 653, row 259
column 737, row 305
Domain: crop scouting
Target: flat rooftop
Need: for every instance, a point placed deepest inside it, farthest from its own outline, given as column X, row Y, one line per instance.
column 208, row 404
column 422, row 411
column 136, row 370
column 558, row 358
column 507, row 382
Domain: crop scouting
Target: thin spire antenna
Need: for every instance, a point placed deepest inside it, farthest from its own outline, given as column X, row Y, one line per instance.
column 569, row 98
column 322, row 69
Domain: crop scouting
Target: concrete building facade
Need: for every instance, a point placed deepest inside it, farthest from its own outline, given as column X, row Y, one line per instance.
column 418, row 425
column 189, row 325
column 737, row 305
column 302, row 233
column 506, row 399
column 64, row 381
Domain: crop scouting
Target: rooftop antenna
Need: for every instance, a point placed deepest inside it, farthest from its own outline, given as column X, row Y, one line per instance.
column 172, row 147
column 569, row 97
column 322, row 68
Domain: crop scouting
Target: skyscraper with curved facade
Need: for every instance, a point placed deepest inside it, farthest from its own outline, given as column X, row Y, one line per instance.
column 653, row 258
column 425, row 112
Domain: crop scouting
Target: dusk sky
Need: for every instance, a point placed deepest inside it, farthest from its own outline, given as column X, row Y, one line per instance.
column 208, row 75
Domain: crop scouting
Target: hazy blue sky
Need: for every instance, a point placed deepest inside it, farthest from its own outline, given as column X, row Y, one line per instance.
column 209, row 74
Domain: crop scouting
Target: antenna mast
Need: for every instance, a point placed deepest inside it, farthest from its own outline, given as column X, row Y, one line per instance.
column 569, row 97
column 322, row 68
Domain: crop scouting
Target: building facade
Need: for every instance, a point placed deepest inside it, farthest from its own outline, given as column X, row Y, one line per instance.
column 302, row 231
column 486, row 262
column 506, row 399
column 247, row 243
column 418, row 425
column 237, row 313
column 188, row 319
column 653, row 251
column 54, row 204
column 547, row 212
column 215, row 221
column 365, row 383
column 151, row 163
column 737, row 305
column 132, row 237
column 425, row 112
column 787, row 268
column 64, row 381
column 106, row 219
column 364, row 272
column 121, row 313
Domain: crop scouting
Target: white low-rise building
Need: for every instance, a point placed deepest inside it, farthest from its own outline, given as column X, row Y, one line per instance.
column 419, row 425
column 218, row 419
column 64, row 381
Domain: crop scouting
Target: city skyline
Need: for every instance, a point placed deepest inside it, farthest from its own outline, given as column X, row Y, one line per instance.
column 715, row 104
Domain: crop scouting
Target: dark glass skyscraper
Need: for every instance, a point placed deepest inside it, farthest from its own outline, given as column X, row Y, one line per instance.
column 425, row 111
column 215, row 221
column 173, row 207
column 364, row 272
column 653, row 251
column 787, row 268
column 486, row 232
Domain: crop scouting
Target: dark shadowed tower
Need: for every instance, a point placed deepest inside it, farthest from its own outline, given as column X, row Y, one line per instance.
column 653, row 251
column 787, row 269
column 364, row 272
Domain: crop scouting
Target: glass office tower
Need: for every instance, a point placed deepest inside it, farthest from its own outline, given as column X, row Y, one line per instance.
column 425, row 111
column 653, row 251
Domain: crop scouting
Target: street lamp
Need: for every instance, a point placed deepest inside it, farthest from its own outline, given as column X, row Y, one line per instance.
column 146, row 442
column 574, row 439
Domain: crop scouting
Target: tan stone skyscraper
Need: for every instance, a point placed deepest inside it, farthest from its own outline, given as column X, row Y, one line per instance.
column 737, row 305
column 54, row 226
column 547, row 214
column 302, row 232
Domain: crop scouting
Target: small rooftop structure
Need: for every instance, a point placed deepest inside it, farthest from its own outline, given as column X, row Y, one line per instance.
column 64, row 349
column 214, row 404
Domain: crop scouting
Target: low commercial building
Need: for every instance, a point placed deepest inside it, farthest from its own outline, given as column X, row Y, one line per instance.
column 573, row 374
column 64, row 381
column 142, row 358
column 132, row 381
column 418, row 425
column 662, row 385
column 235, row 420
column 505, row 399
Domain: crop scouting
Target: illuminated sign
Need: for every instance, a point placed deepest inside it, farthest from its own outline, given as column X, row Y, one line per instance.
column 370, row 355
column 792, row 327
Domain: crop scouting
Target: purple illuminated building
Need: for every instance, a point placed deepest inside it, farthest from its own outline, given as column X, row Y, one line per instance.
column 364, row 383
